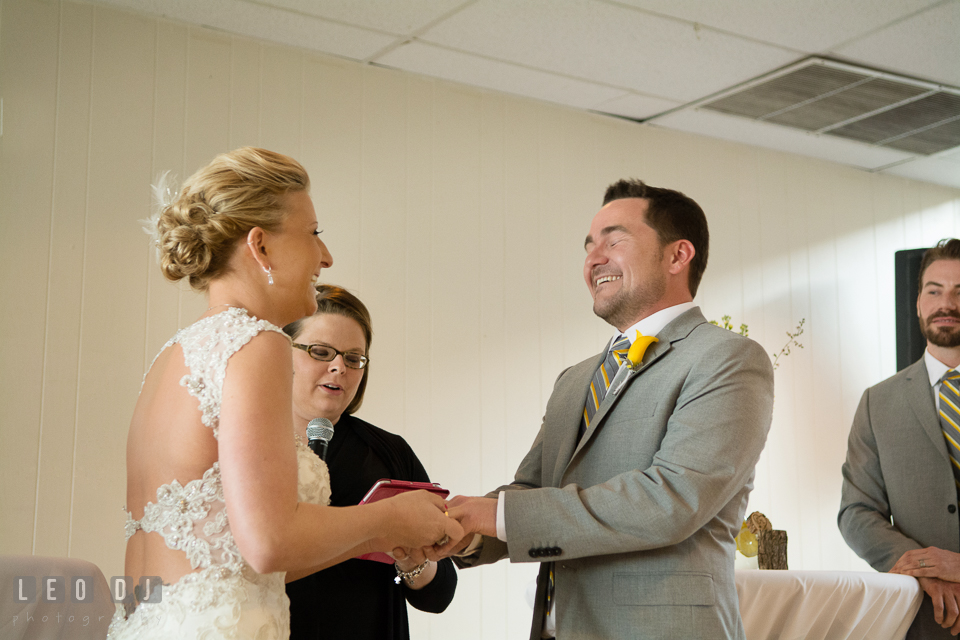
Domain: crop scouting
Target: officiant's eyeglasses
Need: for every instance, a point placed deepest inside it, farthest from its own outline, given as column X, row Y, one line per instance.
column 325, row 353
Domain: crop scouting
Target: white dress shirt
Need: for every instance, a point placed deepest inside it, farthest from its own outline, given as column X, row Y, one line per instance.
column 935, row 369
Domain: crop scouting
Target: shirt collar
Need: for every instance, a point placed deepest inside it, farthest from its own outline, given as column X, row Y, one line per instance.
column 935, row 368
column 654, row 324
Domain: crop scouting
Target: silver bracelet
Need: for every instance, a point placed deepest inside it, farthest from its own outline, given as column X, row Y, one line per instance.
column 409, row 575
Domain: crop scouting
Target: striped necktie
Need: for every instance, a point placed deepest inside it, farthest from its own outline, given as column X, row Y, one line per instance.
column 601, row 380
column 950, row 418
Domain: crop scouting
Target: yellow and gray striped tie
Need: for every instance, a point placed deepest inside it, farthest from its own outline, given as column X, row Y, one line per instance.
column 950, row 418
column 601, row 380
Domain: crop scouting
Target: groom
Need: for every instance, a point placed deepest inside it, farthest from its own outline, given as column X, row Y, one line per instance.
column 630, row 498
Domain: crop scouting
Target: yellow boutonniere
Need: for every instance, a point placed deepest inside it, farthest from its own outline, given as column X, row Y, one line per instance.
column 638, row 348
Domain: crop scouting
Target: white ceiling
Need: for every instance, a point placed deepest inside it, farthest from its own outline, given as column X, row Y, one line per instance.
column 632, row 58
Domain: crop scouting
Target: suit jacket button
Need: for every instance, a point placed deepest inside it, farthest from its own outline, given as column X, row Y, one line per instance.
column 534, row 553
column 952, row 508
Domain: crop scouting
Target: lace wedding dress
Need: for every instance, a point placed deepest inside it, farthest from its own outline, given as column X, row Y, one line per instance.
column 224, row 597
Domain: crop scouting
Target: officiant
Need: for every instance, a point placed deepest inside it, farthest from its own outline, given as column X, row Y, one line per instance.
column 362, row 599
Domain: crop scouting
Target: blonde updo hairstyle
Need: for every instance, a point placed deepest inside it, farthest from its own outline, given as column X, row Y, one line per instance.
column 217, row 207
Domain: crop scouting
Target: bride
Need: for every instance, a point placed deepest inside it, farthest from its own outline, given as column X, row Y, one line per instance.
column 211, row 434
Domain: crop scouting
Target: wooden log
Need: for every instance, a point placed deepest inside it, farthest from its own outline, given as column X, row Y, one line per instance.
column 772, row 549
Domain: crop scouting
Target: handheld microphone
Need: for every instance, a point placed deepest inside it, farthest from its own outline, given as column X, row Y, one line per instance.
column 319, row 434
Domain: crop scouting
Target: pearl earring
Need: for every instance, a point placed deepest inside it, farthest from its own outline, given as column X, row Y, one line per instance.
column 267, row 271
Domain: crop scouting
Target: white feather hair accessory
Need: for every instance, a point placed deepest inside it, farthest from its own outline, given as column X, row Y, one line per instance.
column 164, row 193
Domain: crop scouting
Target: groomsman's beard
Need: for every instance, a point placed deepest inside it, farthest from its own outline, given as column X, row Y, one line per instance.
column 946, row 337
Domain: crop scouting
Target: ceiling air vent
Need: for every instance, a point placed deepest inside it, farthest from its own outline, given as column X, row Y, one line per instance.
column 837, row 99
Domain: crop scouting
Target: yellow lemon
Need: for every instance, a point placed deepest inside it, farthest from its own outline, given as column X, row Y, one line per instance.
column 746, row 541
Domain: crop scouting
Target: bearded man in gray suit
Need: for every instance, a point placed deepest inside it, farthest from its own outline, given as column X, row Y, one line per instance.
column 630, row 498
column 898, row 507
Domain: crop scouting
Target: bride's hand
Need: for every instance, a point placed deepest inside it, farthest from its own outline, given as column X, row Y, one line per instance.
column 419, row 520
column 408, row 559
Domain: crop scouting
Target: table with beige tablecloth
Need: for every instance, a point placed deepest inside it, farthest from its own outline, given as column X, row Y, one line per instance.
column 826, row 605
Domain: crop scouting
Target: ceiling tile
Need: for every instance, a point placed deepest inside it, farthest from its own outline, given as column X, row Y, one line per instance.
column 610, row 44
column 926, row 46
column 395, row 16
column 633, row 58
column 467, row 69
column 267, row 23
column 937, row 170
column 812, row 26
column 772, row 136
column 634, row 106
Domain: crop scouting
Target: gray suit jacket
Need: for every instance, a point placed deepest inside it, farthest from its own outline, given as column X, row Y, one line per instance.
column 639, row 517
column 897, row 466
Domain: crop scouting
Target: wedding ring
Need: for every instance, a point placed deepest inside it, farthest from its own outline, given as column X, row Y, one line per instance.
column 923, row 564
column 442, row 541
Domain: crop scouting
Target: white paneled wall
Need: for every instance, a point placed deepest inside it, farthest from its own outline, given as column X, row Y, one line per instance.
column 458, row 215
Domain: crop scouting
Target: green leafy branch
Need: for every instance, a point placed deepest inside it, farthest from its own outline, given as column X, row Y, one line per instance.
column 784, row 352
column 791, row 342
column 744, row 331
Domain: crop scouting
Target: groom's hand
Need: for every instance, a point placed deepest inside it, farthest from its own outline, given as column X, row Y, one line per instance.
column 476, row 516
column 437, row 553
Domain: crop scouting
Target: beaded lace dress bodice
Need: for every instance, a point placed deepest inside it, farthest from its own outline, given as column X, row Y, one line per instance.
column 192, row 517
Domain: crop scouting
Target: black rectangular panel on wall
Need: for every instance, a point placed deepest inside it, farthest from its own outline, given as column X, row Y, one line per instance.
column 910, row 342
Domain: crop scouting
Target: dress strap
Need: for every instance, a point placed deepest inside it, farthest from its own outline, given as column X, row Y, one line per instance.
column 131, row 526
column 207, row 346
